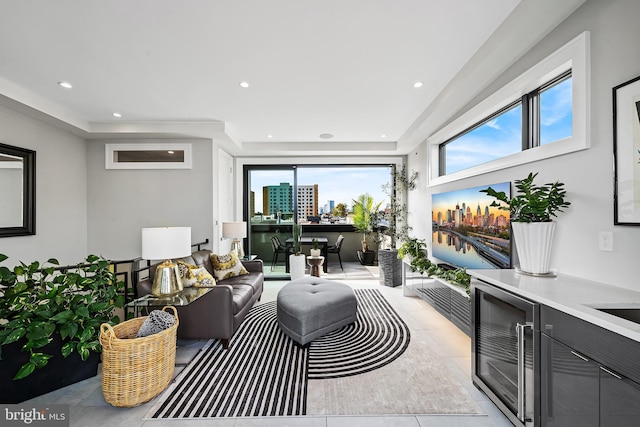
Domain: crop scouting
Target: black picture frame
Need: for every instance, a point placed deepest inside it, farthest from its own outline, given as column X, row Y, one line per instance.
column 626, row 152
column 28, row 226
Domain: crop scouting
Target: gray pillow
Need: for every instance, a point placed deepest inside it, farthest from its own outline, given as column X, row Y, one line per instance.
column 157, row 321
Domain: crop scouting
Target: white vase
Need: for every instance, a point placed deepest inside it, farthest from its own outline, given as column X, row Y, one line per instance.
column 297, row 265
column 533, row 244
column 315, row 252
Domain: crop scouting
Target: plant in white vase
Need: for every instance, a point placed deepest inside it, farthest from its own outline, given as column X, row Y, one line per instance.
column 532, row 211
column 297, row 259
column 315, row 249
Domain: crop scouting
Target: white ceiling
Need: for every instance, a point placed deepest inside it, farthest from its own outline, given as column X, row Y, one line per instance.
column 173, row 67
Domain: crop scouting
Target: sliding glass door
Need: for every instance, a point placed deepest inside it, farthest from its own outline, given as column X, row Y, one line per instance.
column 319, row 197
column 270, row 213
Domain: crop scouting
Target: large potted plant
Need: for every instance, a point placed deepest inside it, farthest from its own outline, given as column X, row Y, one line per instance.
column 532, row 212
column 364, row 212
column 50, row 324
column 393, row 226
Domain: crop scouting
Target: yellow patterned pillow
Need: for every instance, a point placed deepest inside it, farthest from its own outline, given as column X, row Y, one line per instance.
column 192, row 275
column 225, row 266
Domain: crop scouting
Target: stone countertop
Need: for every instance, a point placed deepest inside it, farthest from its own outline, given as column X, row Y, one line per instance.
column 572, row 295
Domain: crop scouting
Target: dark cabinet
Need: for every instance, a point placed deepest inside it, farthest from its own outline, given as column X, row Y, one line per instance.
column 569, row 384
column 450, row 300
column 585, row 374
column 619, row 400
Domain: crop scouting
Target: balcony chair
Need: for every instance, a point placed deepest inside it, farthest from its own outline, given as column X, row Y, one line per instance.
column 278, row 248
column 335, row 249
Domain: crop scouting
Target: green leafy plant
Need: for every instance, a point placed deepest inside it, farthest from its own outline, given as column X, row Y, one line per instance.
column 314, row 244
column 534, row 203
column 396, row 217
column 364, row 212
column 415, row 248
column 36, row 303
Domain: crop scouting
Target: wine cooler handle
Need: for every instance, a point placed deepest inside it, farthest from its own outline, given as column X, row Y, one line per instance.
column 520, row 333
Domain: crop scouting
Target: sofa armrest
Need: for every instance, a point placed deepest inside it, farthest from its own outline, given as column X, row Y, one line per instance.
column 143, row 287
column 253, row 266
column 210, row 316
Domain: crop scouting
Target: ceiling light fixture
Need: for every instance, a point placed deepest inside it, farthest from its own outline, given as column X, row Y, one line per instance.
column 269, row 136
column 326, row 136
column 118, row 115
column 65, row 85
column 384, row 135
column 417, row 84
column 244, row 84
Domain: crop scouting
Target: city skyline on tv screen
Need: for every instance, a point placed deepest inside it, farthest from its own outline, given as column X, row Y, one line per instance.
column 468, row 232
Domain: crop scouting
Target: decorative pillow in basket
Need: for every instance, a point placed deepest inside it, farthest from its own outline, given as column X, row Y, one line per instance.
column 137, row 369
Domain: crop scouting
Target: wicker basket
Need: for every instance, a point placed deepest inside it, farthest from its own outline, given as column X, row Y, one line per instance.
column 135, row 370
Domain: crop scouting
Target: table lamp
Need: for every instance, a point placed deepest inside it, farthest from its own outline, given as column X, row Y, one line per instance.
column 166, row 243
column 236, row 231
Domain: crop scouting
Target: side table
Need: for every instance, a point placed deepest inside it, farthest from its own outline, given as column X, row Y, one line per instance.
column 182, row 298
column 315, row 262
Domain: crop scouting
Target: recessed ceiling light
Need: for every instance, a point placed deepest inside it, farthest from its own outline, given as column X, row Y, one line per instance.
column 326, row 136
column 384, row 135
column 118, row 115
column 417, row 84
column 65, row 85
column 171, row 152
column 244, row 84
column 269, row 136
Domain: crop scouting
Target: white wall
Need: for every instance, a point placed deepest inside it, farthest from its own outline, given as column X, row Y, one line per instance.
column 588, row 175
column 121, row 202
column 61, row 191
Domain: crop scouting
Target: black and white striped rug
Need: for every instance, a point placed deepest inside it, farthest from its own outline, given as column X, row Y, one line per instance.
column 265, row 374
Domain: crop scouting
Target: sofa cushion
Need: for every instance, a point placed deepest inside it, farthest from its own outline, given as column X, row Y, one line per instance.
column 225, row 266
column 242, row 295
column 192, row 275
column 254, row 280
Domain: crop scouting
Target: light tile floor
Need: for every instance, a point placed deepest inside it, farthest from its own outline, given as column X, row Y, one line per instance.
column 88, row 407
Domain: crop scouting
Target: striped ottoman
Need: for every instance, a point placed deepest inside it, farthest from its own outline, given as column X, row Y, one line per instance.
column 310, row 307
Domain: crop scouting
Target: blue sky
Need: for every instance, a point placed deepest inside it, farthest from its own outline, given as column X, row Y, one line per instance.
column 502, row 136
column 341, row 184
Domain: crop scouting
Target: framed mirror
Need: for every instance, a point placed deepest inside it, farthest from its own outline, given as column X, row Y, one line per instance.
column 18, row 190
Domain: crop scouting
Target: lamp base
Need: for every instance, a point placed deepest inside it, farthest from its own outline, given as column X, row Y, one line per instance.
column 235, row 245
column 167, row 280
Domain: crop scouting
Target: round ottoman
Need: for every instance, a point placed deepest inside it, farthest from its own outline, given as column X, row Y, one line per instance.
column 310, row 307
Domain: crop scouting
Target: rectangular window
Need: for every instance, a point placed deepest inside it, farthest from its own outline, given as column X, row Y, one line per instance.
column 541, row 114
column 546, row 119
column 148, row 156
column 556, row 111
column 497, row 136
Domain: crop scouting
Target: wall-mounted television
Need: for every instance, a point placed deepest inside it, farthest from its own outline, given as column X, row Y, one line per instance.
column 468, row 232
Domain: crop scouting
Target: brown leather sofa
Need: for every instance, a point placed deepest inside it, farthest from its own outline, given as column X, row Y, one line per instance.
column 219, row 313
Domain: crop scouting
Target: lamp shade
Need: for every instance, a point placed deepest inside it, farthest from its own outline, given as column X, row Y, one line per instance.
column 166, row 242
column 234, row 230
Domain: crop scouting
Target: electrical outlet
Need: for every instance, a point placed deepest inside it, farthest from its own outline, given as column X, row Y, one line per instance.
column 605, row 241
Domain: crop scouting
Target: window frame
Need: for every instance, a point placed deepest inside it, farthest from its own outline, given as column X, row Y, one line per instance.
column 573, row 56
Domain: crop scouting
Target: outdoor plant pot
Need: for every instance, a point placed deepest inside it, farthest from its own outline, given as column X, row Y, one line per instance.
column 533, row 244
column 390, row 267
column 297, row 265
column 366, row 258
column 59, row 372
